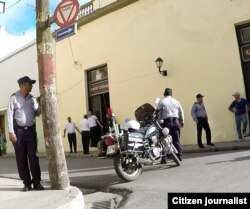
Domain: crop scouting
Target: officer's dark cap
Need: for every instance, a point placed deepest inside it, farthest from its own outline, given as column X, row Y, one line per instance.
column 199, row 96
column 26, row 79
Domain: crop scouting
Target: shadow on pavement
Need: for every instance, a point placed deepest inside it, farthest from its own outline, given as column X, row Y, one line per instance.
column 234, row 160
column 204, row 154
column 91, row 182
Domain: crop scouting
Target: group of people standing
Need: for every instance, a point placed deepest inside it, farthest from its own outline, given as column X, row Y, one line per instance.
column 23, row 108
column 90, row 130
column 240, row 108
column 173, row 116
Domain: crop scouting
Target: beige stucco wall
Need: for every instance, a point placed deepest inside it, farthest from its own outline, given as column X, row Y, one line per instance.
column 101, row 3
column 196, row 39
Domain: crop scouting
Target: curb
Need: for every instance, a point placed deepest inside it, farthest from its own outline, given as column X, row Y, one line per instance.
column 192, row 148
column 74, row 199
column 219, row 146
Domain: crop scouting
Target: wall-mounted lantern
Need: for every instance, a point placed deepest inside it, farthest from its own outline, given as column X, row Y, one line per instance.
column 159, row 62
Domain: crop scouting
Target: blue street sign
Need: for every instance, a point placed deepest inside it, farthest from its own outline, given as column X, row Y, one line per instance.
column 65, row 32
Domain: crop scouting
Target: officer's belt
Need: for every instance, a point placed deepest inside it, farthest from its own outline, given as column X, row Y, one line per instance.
column 171, row 119
column 24, row 127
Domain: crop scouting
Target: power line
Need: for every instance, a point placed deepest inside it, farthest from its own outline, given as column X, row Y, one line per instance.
column 13, row 4
column 30, row 5
column 77, row 65
column 72, row 53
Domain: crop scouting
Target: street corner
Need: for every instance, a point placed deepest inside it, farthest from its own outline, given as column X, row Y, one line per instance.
column 66, row 199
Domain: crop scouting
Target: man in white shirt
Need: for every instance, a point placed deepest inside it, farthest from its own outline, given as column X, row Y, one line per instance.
column 173, row 115
column 70, row 127
column 85, row 131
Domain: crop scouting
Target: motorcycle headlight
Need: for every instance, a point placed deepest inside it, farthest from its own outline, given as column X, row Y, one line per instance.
column 165, row 131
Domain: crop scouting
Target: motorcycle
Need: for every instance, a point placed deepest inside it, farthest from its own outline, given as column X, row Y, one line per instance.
column 139, row 144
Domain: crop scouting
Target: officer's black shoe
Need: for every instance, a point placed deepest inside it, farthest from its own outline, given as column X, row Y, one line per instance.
column 26, row 188
column 38, row 186
column 179, row 157
column 201, row 146
column 211, row 144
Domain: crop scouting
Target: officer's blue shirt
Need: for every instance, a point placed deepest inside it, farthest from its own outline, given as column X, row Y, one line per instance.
column 23, row 110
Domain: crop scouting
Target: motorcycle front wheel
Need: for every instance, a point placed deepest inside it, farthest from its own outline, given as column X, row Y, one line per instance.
column 126, row 168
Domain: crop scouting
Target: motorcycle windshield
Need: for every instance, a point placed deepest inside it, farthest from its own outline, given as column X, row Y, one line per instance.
column 144, row 112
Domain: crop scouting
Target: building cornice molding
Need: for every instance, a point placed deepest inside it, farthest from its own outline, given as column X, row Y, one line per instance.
column 104, row 11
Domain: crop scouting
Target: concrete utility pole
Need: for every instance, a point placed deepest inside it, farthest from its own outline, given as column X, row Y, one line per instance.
column 57, row 166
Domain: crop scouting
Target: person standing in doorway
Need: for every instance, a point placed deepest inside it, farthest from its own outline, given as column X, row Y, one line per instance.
column 71, row 128
column 99, row 131
column 240, row 108
column 199, row 115
column 22, row 110
column 173, row 115
column 3, row 142
column 93, row 120
column 85, row 131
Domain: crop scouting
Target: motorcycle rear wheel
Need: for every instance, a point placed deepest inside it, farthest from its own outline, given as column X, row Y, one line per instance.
column 128, row 171
column 176, row 159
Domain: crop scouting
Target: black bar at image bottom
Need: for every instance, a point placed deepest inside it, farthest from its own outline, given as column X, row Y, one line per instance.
column 208, row 200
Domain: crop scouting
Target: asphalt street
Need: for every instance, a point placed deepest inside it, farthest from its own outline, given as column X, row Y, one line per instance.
column 226, row 171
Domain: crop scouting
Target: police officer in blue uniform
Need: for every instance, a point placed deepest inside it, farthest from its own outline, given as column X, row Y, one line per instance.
column 173, row 116
column 22, row 110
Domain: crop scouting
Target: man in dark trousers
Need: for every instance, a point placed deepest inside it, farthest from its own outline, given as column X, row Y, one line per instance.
column 173, row 116
column 199, row 115
column 71, row 128
column 85, row 131
column 240, row 108
column 22, row 110
column 93, row 121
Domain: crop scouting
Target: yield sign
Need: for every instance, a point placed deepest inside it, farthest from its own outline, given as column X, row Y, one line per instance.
column 66, row 12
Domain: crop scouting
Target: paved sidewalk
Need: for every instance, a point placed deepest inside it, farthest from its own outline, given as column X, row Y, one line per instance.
column 219, row 146
column 12, row 197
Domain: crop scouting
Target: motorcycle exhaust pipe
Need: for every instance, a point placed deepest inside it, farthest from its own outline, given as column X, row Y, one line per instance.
column 143, row 161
